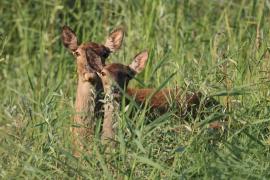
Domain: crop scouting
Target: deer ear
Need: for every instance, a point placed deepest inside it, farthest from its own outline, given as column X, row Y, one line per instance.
column 114, row 41
column 69, row 38
column 139, row 62
column 93, row 60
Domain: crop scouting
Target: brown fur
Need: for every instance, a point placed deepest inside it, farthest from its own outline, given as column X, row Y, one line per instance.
column 187, row 103
column 99, row 49
column 117, row 76
column 89, row 84
column 87, row 104
column 162, row 100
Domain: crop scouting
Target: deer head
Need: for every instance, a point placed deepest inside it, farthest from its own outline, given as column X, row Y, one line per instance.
column 87, row 53
column 119, row 74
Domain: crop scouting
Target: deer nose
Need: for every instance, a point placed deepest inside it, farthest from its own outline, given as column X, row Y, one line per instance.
column 89, row 76
column 103, row 73
column 76, row 53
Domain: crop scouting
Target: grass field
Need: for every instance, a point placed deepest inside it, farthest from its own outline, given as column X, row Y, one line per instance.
column 220, row 47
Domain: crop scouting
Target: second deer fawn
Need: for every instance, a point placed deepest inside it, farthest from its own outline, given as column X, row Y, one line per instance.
column 115, row 76
column 89, row 83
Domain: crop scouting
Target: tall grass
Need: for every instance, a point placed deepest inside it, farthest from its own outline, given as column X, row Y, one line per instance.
column 218, row 47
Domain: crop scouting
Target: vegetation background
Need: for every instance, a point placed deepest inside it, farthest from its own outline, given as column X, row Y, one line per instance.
column 220, row 47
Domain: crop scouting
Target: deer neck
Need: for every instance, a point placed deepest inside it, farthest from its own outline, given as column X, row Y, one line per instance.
column 85, row 103
column 84, row 117
column 111, row 110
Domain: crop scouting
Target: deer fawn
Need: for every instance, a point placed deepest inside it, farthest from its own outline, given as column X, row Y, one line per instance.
column 89, row 84
column 115, row 76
